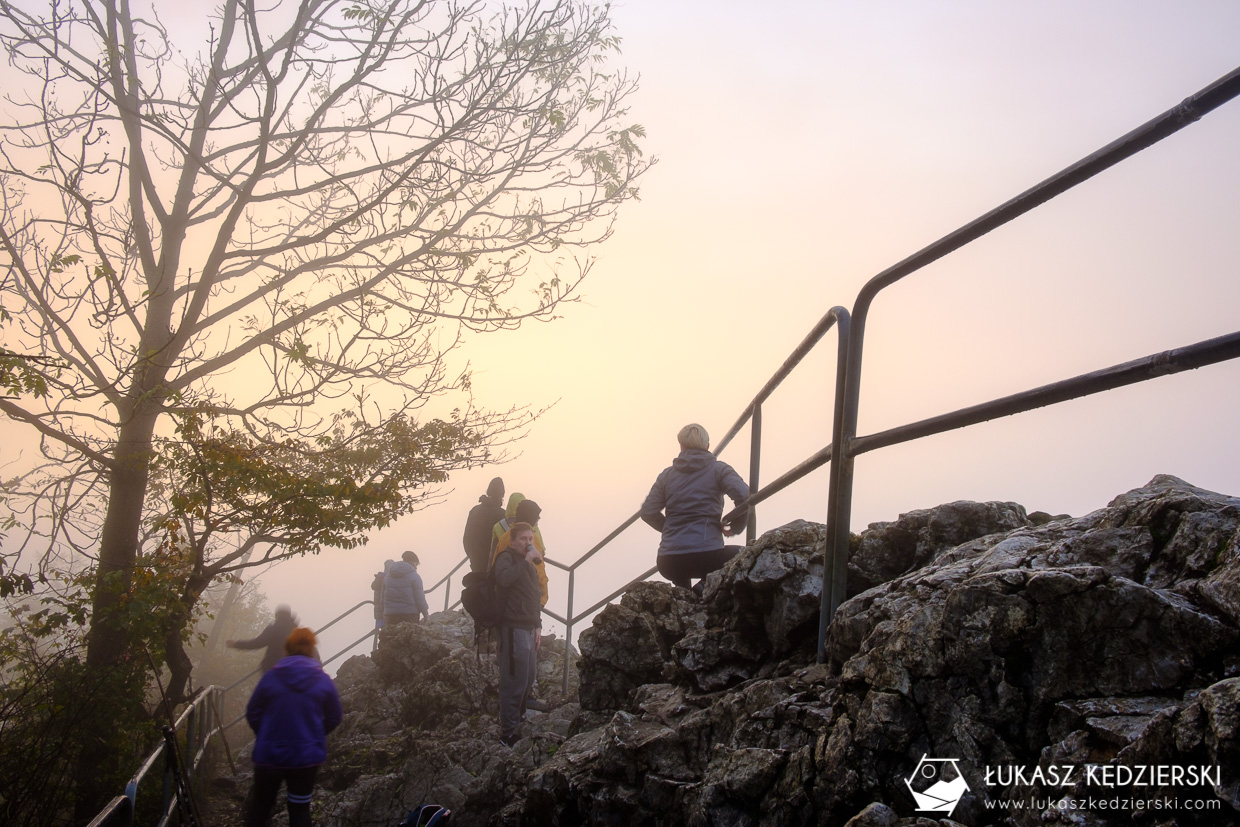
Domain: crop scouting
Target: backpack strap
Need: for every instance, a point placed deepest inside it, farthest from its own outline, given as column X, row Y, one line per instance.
column 427, row 815
column 432, row 814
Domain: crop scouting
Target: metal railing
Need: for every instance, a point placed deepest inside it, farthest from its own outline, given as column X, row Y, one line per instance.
column 845, row 445
column 200, row 720
column 176, row 757
column 224, row 692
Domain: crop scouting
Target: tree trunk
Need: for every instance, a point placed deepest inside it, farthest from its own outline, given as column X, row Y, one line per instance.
column 179, row 664
column 109, row 645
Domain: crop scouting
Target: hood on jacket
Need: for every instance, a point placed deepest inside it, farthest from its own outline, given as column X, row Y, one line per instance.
column 398, row 570
column 298, row 672
column 528, row 511
column 692, row 460
column 513, row 501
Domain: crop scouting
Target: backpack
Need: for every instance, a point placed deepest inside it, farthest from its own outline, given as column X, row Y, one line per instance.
column 427, row 815
column 376, row 586
column 482, row 597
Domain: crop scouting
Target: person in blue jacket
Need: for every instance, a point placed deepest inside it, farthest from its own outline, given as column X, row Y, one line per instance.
column 685, row 504
column 291, row 711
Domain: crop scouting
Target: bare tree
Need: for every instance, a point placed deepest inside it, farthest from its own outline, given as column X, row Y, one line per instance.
column 274, row 242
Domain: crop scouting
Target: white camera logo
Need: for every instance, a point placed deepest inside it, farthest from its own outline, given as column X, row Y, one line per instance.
column 939, row 785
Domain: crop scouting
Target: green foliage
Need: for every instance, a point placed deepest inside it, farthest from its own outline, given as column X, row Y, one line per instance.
column 309, row 493
column 48, row 697
column 15, row 583
column 12, row 582
column 23, row 375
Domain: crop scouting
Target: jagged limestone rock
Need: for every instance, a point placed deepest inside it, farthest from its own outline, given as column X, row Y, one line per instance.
column 888, row 550
column 420, row 726
column 990, row 638
column 1109, row 639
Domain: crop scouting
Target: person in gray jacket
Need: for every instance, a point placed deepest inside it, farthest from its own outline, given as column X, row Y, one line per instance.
column 519, row 634
column 685, row 504
column 404, row 600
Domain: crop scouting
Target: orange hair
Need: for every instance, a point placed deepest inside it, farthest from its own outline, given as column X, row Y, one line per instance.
column 301, row 642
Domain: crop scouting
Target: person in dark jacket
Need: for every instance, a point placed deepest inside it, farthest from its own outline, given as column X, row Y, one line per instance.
column 478, row 525
column 520, row 627
column 528, row 512
column 291, row 711
column 272, row 638
column 685, row 504
column 404, row 599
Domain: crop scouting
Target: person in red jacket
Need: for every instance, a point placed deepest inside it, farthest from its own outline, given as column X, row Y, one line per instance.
column 291, row 711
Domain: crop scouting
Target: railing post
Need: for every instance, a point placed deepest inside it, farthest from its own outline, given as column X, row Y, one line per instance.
column 568, row 627
column 1149, row 133
column 191, row 746
column 169, row 788
column 839, row 494
column 755, row 461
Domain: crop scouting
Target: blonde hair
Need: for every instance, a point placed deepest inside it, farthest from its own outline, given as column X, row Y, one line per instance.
column 300, row 642
column 693, row 436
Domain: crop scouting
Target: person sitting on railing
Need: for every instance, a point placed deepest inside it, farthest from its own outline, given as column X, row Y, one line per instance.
column 404, row 599
column 478, row 525
column 291, row 711
column 686, row 505
column 272, row 638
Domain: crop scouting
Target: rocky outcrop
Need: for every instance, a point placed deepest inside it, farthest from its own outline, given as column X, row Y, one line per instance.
column 1009, row 646
column 888, row 550
column 420, row 726
column 993, row 651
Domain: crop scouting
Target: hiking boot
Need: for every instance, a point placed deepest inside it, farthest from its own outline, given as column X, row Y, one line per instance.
column 509, row 740
column 536, row 705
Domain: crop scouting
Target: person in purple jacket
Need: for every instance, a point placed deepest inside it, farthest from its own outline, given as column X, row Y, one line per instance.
column 291, row 711
column 685, row 504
